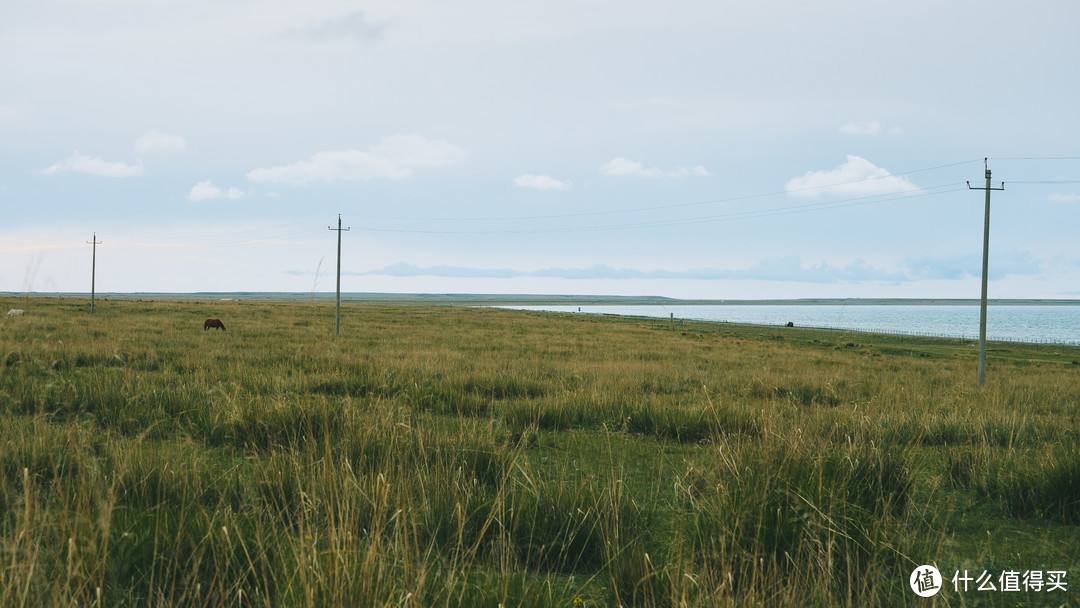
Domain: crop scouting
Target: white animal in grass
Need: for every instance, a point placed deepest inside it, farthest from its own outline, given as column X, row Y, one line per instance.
column 15, row 312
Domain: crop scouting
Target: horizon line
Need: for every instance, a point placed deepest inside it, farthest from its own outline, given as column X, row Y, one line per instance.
column 527, row 297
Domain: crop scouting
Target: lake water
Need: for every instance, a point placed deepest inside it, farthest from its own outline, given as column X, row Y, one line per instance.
column 1016, row 323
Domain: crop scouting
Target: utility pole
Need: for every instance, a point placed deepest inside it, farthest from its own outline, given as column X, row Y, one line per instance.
column 93, row 269
column 337, row 314
column 985, row 268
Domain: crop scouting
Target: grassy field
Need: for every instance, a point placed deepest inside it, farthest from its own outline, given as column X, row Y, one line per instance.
column 439, row 456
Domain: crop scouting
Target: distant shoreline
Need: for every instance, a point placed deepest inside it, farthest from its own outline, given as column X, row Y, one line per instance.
column 534, row 299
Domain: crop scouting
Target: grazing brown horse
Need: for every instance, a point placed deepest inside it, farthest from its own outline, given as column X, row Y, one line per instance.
column 207, row 324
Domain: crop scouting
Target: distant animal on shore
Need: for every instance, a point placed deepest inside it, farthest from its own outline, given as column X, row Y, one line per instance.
column 790, row 324
column 15, row 312
column 207, row 324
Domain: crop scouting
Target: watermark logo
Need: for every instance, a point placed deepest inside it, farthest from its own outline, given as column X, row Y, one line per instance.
column 1012, row 581
column 925, row 581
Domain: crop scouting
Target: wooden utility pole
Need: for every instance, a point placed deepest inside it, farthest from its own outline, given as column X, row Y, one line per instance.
column 337, row 314
column 985, row 269
column 93, row 269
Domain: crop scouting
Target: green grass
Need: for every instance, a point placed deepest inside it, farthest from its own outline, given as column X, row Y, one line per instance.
column 437, row 456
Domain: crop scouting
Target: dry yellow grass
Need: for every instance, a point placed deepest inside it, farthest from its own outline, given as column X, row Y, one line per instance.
column 460, row 457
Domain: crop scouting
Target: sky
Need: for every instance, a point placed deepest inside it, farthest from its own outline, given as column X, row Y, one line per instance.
column 689, row 149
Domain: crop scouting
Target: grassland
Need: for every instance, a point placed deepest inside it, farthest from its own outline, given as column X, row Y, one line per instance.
column 437, row 456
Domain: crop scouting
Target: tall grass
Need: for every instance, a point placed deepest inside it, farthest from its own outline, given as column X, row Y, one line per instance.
column 438, row 456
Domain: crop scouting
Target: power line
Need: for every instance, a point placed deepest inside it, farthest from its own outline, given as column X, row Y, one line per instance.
column 1035, row 158
column 775, row 211
column 670, row 205
column 307, row 220
column 265, row 241
column 1046, row 181
column 736, row 215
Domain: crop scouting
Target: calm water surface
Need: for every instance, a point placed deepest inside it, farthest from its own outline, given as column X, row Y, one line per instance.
column 1018, row 323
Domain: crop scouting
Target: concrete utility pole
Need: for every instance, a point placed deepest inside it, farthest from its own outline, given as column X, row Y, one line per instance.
column 337, row 315
column 93, row 269
column 985, row 268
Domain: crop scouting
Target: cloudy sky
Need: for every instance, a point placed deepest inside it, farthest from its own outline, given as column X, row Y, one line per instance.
column 704, row 149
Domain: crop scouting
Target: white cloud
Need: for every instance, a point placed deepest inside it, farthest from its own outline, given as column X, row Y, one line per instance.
column 156, row 142
column 207, row 191
column 93, row 165
column 1061, row 197
column 625, row 167
column 541, row 182
column 394, row 157
column 862, row 127
column 856, row 177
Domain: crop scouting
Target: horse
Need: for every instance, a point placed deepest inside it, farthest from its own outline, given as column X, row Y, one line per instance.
column 207, row 324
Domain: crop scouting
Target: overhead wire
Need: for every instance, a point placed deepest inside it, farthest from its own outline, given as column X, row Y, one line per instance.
column 666, row 206
column 260, row 229
column 1045, row 181
column 709, row 218
column 1033, row 158
column 739, row 215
